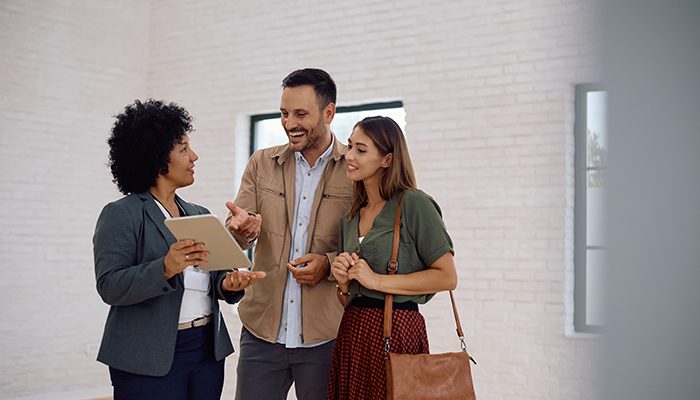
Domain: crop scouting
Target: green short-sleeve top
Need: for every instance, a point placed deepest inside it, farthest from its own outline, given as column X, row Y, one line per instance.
column 424, row 239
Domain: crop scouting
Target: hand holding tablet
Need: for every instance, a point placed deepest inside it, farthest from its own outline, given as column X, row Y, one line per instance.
column 224, row 251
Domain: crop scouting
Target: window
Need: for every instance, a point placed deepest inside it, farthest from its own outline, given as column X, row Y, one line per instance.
column 266, row 129
column 591, row 154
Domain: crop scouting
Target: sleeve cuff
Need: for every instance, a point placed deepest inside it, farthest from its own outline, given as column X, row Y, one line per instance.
column 331, row 257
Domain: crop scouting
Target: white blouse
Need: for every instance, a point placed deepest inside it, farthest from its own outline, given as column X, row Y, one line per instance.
column 195, row 301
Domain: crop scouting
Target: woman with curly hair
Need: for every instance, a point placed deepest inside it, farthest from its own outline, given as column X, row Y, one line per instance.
column 164, row 337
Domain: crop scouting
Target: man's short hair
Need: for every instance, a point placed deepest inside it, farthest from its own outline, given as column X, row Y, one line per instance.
column 320, row 80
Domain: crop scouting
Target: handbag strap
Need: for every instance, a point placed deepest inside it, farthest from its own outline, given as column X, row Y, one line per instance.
column 391, row 270
column 392, row 267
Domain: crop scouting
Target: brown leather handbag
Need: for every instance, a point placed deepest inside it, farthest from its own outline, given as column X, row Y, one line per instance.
column 424, row 376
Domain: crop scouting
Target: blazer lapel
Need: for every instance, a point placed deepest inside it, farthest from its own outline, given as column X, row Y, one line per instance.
column 156, row 216
column 189, row 208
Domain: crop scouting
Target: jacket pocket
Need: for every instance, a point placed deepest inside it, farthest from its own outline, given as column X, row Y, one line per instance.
column 273, row 191
column 333, row 207
column 273, row 208
column 337, row 196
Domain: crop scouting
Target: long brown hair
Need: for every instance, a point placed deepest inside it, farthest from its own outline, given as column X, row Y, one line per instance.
column 386, row 134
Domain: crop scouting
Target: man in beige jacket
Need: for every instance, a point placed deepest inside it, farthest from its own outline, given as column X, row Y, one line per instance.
column 289, row 205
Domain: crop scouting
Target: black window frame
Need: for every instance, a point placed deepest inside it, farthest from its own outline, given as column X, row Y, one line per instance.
column 339, row 110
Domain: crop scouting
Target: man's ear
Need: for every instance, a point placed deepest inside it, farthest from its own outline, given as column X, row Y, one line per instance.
column 329, row 113
column 386, row 162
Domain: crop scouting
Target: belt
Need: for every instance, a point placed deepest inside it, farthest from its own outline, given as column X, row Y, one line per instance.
column 195, row 323
column 369, row 302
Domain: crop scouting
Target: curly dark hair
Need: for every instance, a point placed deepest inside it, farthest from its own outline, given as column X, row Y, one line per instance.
column 141, row 140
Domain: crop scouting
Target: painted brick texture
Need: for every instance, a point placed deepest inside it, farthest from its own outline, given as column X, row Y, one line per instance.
column 67, row 67
column 488, row 90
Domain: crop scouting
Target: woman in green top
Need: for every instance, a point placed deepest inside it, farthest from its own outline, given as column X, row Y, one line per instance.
column 379, row 164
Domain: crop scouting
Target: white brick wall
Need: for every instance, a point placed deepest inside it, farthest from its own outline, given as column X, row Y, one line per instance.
column 66, row 68
column 488, row 91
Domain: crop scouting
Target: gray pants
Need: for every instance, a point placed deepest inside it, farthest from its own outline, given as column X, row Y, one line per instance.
column 267, row 370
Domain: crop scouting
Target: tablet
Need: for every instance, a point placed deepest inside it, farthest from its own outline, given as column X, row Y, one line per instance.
column 224, row 251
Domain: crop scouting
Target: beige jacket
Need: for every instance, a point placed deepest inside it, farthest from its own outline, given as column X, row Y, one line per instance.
column 267, row 188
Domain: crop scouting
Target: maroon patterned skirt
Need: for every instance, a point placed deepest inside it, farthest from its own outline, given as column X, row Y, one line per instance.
column 359, row 370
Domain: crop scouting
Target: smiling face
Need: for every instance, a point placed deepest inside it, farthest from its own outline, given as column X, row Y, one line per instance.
column 364, row 160
column 180, row 164
column 307, row 124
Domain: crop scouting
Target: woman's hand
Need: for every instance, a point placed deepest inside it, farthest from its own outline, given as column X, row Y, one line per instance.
column 182, row 254
column 362, row 273
column 339, row 269
column 239, row 280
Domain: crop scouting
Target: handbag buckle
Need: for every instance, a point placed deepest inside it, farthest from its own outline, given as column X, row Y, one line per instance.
column 464, row 348
column 392, row 266
column 387, row 347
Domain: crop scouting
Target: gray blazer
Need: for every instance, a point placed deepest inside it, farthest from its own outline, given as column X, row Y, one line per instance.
column 130, row 244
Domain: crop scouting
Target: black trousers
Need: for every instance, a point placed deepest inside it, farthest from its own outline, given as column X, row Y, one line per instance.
column 195, row 373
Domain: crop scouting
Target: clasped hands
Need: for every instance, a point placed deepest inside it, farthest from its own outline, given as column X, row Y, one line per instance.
column 347, row 267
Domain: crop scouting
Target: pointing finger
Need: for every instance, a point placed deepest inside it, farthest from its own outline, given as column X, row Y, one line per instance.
column 232, row 207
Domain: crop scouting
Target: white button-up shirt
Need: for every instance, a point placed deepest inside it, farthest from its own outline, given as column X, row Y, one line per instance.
column 195, row 299
column 306, row 182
